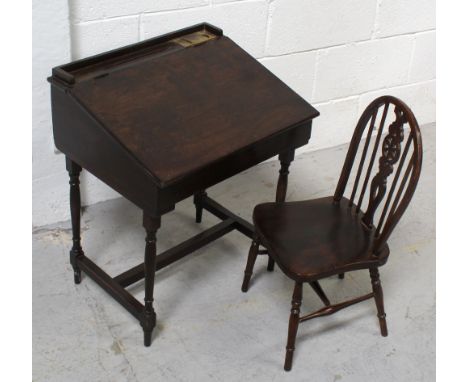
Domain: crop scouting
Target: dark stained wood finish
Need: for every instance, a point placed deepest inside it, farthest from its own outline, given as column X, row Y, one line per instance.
column 313, row 239
column 223, row 213
column 148, row 318
column 121, row 295
column 218, row 113
column 75, row 212
column 330, row 309
column 378, row 296
column 271, row 264
column 207, row 84
column 285, row 159
column 198, row 201
column 412, row 166
column 165, row 119
column 178, row 252
column 332, row 240
column 253, row 252
column 293, row 325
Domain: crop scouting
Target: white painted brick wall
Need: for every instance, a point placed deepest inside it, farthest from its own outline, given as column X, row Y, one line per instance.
column 359, row 67
column 338, row 55
column 243, row 21
column 86, row 10
column 299, row 79
column 423, row 65
column 419, row 96
column 336, row 123
column 93, row 37
column 404, row 16
column 298, row 25
column 51, row 47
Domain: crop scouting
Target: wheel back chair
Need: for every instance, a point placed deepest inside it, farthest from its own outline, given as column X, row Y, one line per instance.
column 314, row 239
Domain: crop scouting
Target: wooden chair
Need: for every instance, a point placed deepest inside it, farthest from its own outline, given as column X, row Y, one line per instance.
column 314, row 239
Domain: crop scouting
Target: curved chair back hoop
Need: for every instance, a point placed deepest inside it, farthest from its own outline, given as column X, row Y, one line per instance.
column 400, row 153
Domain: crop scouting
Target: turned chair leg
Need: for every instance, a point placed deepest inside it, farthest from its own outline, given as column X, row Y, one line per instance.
column 253, row 253
column 198, row 201
column 293, row 325
column 379, row 302
column 148, row 317
column 75, row 211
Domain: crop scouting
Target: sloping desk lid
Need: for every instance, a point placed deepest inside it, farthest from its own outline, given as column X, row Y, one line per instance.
column 184, row 100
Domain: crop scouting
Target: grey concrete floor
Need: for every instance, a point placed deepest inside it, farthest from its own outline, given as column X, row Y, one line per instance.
column 207, row 329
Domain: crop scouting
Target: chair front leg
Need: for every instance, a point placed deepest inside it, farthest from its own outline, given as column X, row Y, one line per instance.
column 253, row 253
column 293, row 325
column 379, row 302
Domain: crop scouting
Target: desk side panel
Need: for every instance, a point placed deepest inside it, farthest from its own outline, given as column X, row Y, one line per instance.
column 80, row 137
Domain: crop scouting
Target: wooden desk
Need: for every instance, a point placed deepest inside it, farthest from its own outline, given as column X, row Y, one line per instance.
column 165, row 119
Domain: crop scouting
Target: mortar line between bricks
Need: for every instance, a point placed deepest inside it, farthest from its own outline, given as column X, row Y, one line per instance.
column 104, row 19
column 314, row 84
column 371, row 91
column 347, row 44
column 411, row 59
column 376, row 19
column 267, row 31
column 76, row 21
column 142, row 13
column 140, row 29
column 70, row 29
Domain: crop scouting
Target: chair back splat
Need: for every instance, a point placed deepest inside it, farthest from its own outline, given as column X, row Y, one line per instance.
column 400, row 152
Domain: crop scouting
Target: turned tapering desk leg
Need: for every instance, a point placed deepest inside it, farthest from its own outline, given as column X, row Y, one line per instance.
column 285, row 159
column 75, row 211
column 148, row 318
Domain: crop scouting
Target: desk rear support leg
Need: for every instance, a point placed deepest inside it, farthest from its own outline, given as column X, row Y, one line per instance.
column 148, row 317
column 198, row 201
column 76, row 251
column 285, row 159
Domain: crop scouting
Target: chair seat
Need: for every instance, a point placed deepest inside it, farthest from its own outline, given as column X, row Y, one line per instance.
column 315, row 238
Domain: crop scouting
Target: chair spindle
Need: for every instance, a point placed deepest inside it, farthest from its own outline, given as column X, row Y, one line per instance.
column 363, row 157
column 374, row 153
